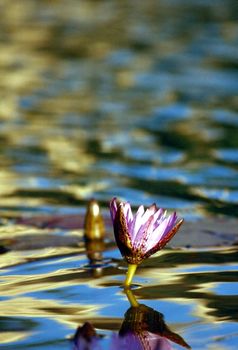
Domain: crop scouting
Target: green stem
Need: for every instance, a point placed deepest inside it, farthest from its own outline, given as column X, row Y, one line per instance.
column 130, row 273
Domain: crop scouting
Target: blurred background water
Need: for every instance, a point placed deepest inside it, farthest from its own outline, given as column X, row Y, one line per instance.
column 134, row 99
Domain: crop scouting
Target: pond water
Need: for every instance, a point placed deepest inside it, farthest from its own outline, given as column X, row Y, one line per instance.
column 133, row 99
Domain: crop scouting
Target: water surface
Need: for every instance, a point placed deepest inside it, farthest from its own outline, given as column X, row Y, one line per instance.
column 117, row 98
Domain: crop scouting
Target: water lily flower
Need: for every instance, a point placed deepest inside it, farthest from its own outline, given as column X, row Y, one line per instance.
column 143, row 234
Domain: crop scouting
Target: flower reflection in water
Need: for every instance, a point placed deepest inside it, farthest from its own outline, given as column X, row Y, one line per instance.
column 143, row 328
column 86, row 338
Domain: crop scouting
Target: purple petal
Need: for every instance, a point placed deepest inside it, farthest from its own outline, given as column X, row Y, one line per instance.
column 171, row 221
column 140, row 211
column 113, row 208
column 145, row 235
column 128, row 213
column 145, row 225
column 157, row 217
column 137, row 222
column 159, row 232
column 148, row 213
column 139, row 237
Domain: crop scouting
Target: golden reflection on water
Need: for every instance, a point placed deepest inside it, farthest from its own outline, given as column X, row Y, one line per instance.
column 34, row 307
column 166, row 276
column 16, row 285
column 65, row 154
column 87, row 190
column 14, row 336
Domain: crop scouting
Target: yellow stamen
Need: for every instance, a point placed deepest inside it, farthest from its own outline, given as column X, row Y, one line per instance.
column 131, row 298
column 130, row 273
